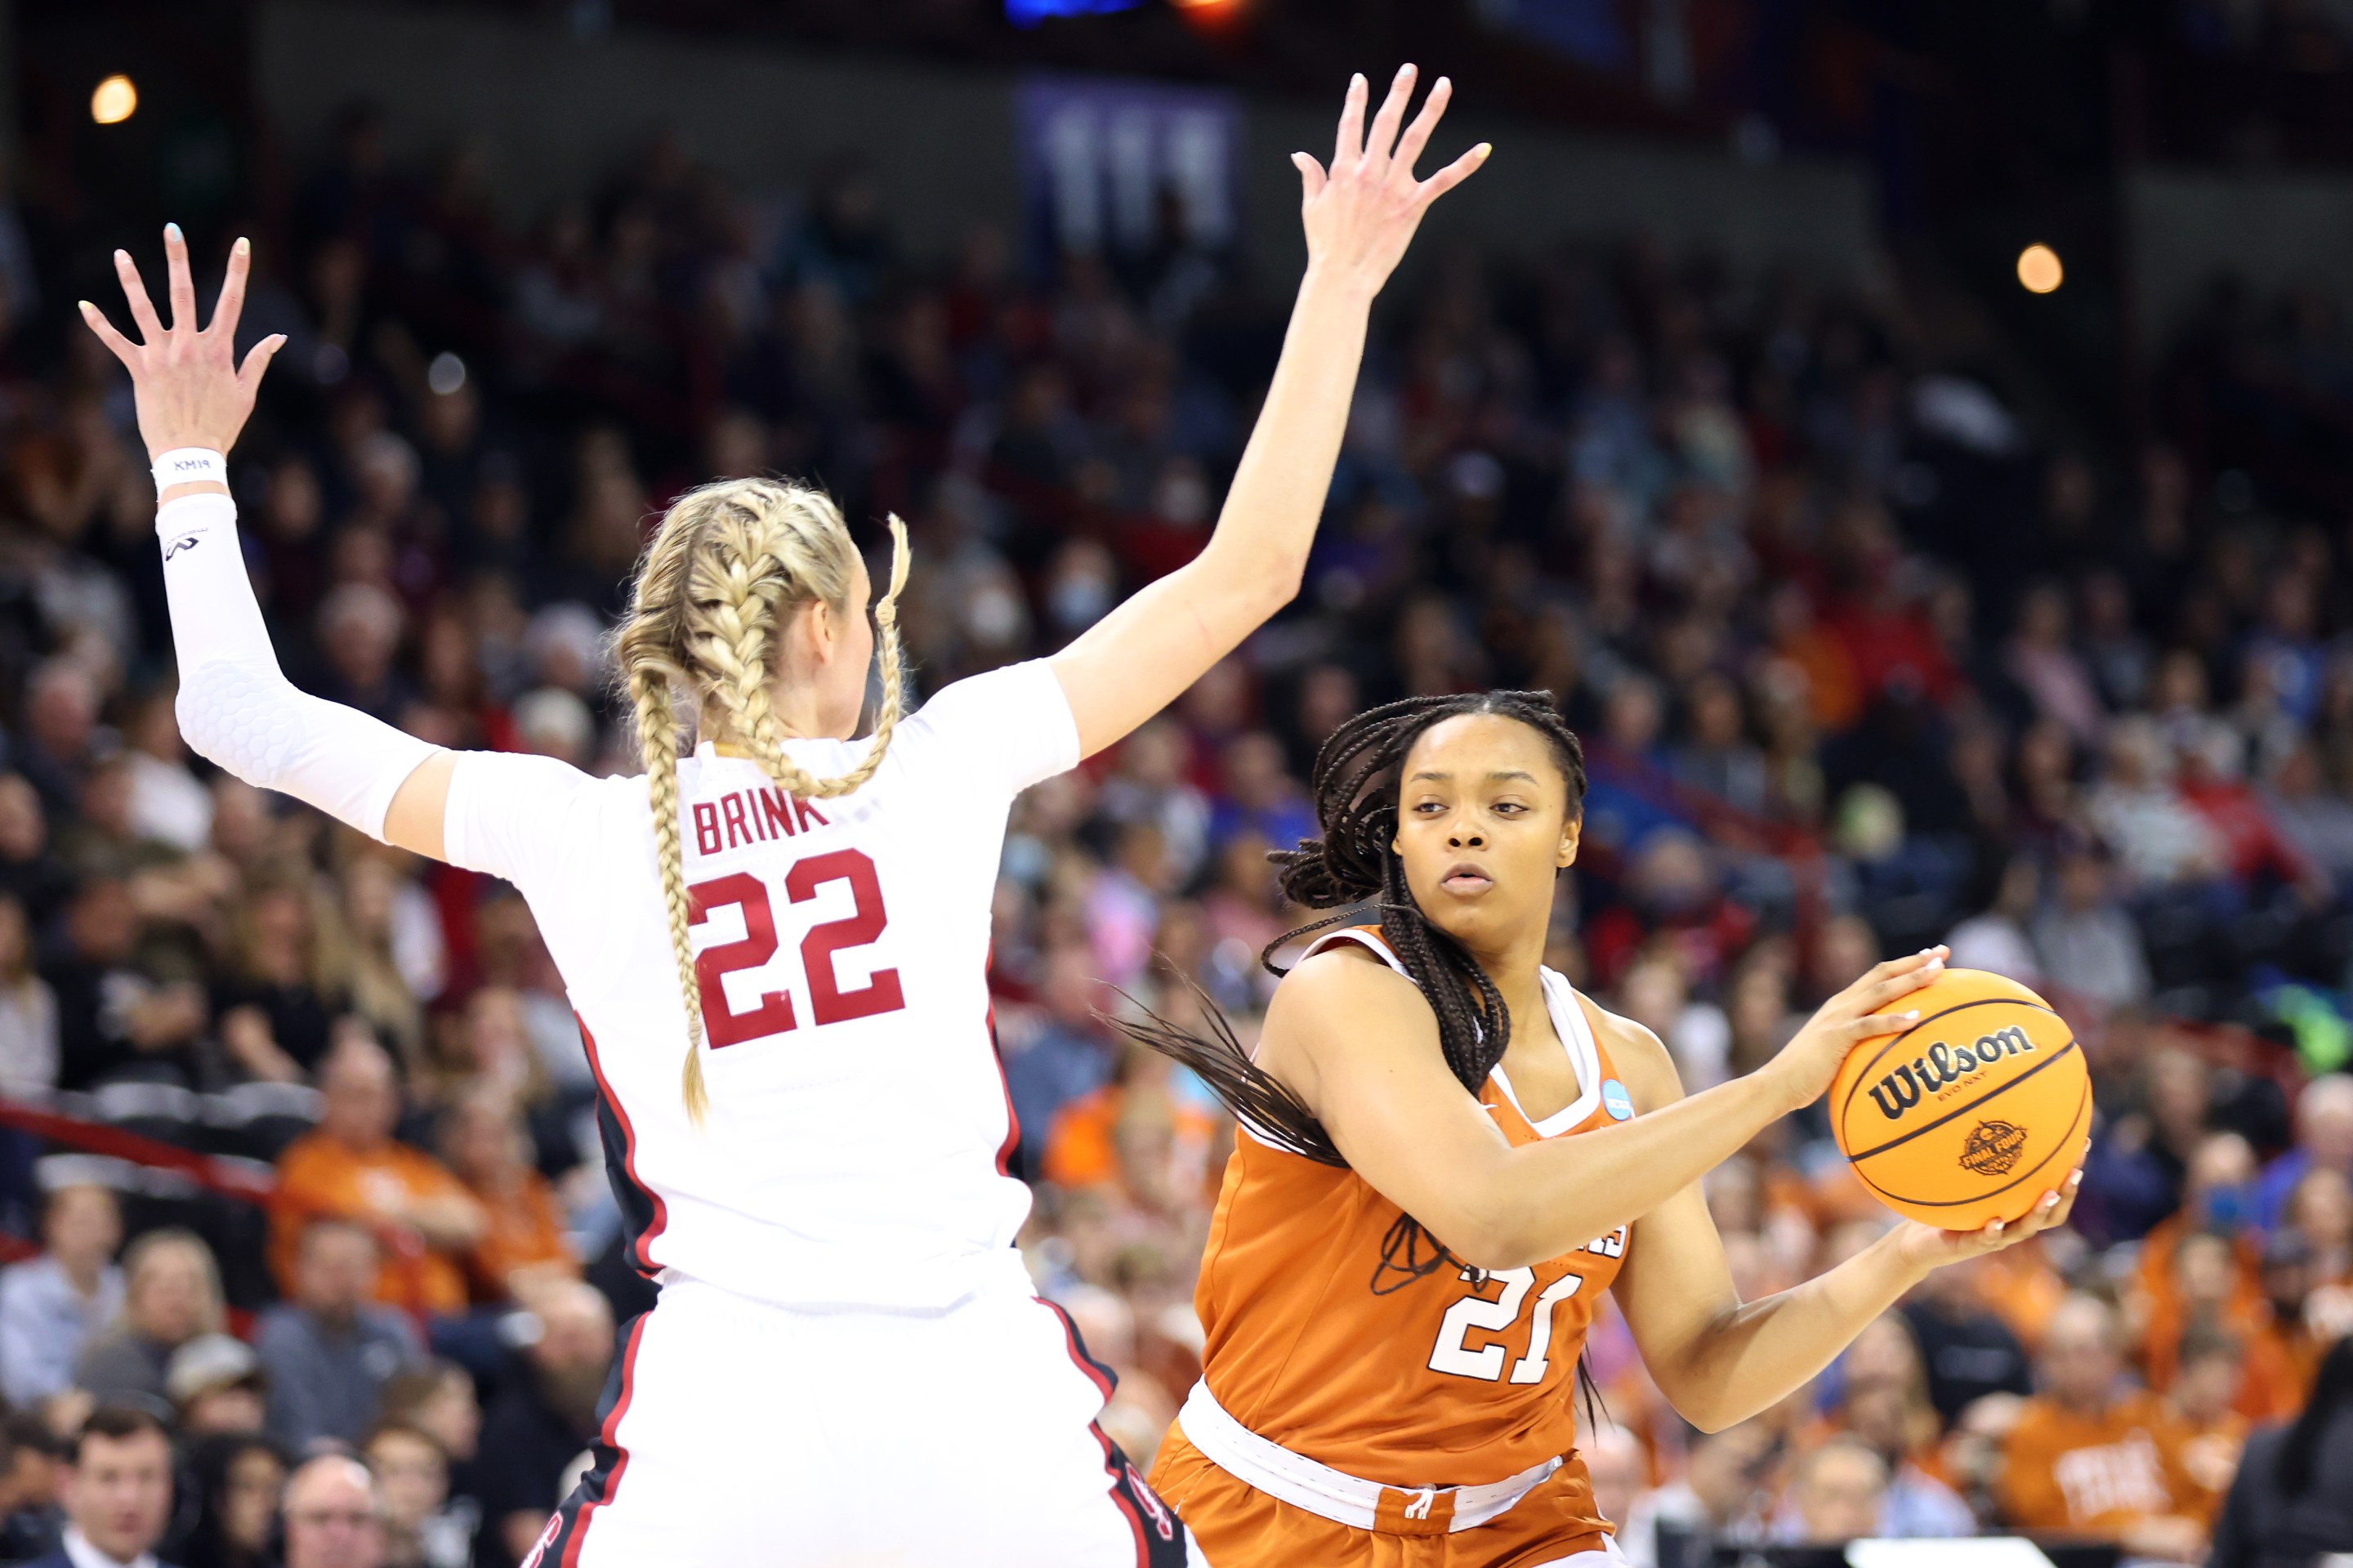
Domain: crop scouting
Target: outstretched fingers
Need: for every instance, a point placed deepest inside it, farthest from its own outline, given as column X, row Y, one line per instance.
column 121, row 347
column 1350, row 141
column 134, row 292
column 1381, row 141
column 179, row 282
column 231, row 304
column 1454, row 173
column 1311, row 177
column 1417, row 135
column 256, row 360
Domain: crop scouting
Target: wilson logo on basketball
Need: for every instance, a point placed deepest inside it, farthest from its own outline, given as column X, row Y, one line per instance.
column 1992, row 1147
column 1942, row 1065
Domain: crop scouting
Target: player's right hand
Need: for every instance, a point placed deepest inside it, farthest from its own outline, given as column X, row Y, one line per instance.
column 189, row 388
column 1871, row 1006
column 1361, row 212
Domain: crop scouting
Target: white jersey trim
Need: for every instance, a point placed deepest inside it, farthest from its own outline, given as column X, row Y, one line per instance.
column 1568, row 1022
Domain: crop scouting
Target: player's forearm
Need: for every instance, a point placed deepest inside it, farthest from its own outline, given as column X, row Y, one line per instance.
column 1757, row 1353
column 1255, row 559
column 1557, row 1194
column 237, row 708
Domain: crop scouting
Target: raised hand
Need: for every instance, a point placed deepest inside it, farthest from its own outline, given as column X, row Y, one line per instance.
column 1361, row 212
column 189, row 388
column 1862, row 1012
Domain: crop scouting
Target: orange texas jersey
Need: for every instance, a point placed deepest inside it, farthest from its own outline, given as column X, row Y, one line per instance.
column 2094, row 1475
column 1448, row 1380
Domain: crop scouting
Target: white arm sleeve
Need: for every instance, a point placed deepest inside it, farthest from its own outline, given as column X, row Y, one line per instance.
column 236, row 707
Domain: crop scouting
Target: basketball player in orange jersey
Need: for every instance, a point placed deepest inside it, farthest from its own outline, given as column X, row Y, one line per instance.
column 1446, row 1154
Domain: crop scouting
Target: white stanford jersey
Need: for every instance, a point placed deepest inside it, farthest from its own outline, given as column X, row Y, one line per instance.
column 854, row 1153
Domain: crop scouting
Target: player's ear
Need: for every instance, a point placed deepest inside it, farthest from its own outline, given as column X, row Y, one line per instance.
column 1570, row 832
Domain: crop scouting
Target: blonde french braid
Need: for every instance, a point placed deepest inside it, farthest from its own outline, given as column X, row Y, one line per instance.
column 729, row 561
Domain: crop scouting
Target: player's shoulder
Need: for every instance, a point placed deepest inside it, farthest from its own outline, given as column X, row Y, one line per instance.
column 1343, row 982
column 1641, row 1058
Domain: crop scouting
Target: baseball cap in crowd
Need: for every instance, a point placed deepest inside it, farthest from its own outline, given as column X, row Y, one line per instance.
column 211, row 1361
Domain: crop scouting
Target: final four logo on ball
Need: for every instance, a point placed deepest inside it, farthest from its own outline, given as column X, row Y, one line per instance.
column 1992, row 1147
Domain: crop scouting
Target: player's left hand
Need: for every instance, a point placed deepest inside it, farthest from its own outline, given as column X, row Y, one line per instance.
column 1929, row 1247
column 1361, row 212
column 190, row 390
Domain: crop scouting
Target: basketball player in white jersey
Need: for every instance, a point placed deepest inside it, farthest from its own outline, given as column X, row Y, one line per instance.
column 848, row 1363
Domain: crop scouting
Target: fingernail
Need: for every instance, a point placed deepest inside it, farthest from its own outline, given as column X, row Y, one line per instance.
column 1483, row 148
column 171, row 231
column 1913, row 1016
column 2077, row 1180
column 242, row 245
column 121, row 255
column 1358, row 79
column 1998, row 1227
column 1404, row 71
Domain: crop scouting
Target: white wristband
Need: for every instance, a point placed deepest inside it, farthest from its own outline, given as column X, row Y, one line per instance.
column 186, row 465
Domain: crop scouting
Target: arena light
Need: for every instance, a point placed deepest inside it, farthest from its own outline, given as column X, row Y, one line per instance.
column 2039, row 270
column 1029, row 12
column 113, row 101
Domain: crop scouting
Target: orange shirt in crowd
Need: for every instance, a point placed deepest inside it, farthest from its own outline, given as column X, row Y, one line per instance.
column 2071, row 1474
column 2154, row 1279
column 2019, row 1285
column 2210, row 1458
column 2280, row 1360
column 320, row 1176
column 525, row 1230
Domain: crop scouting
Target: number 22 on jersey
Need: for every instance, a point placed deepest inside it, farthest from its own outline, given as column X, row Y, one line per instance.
column 829, row 1001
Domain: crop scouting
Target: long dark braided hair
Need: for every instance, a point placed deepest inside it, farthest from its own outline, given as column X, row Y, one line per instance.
column 1355, row 786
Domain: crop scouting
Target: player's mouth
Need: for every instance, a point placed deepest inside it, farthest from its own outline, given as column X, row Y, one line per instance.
column 1465, row 880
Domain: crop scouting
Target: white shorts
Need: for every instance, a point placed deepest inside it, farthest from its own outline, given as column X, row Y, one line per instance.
column 739, row 1432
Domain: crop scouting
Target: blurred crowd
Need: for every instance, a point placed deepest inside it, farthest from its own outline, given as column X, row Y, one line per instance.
column 1862, row 662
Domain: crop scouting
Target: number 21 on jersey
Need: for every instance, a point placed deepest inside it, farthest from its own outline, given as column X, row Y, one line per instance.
column 829, row 1002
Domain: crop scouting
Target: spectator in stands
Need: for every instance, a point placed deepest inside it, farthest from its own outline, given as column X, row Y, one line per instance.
column 31, row 1459
column 1838, row 1494
column 28, row 1011
column 2085, row 938
column 217, row 1387
column 1966, row 1351
column 438, row 1400
column 2293, row 1498
column 1887, row 1409
column 524, row 1240
column 334, row 1516
column 117, row 1492
column 117, row 1016
column 2087, row 1457
column 351, row 1167
column 545, row 1417
column 2323, row 1137
column 2204, row 1399
column 52, row 1305
column 1728, row 1477
column 421, row 1529
column 239, row 1481
column 330, row 1349
column 171, row 1294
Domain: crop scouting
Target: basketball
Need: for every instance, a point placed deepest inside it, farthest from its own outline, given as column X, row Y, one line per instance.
column 1973, row 1113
